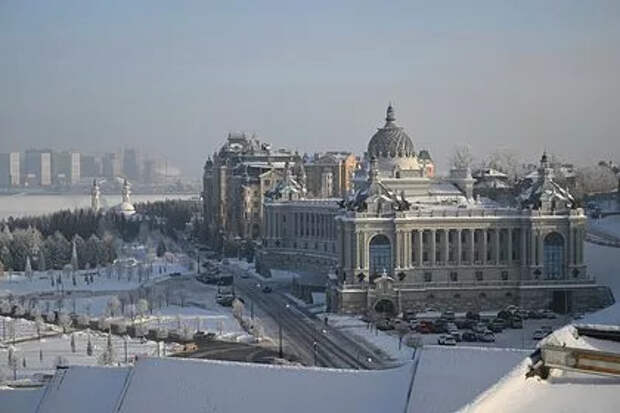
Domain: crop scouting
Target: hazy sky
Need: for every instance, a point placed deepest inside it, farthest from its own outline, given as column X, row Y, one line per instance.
column 173, row 77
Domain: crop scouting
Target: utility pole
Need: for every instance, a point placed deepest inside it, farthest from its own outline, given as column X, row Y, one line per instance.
column 251, row 310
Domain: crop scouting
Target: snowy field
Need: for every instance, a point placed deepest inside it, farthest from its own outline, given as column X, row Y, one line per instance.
column 24, row 329
column 18, row 284
column 60, row 346
column 449, row 378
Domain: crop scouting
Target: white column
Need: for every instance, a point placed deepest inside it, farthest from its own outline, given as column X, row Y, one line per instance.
column 397, row 248
column 446, row 246
column 472, row 246
column 540, row 249
column 509, row 247
column 459, row 247
column 497, row 245
column 433, row 248
column 484, row 246
column 420, row 246
column 532, row 247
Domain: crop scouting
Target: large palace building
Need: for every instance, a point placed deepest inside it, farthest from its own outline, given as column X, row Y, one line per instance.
column 405, row 240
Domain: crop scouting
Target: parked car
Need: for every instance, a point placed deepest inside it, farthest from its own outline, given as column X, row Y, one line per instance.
column 516, row 322
column 451, row 327
column 546, row 329
column 457, row 336
column 470, row 315
column 446, row 340
column 424, row 328
column 539, row 334
column 448, row 315
column 549, row 314
column 495, row 328
column 409, row 315
column 384, row 324
column 267, row 289
column 175, row 274
column 487, row 337
column 524, row 314
column 479, row 328
column 469, row 336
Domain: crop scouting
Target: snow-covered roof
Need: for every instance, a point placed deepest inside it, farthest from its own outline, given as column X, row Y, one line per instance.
column 563, row 390
column 157, row 385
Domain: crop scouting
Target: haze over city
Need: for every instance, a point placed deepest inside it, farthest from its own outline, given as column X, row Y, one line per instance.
column 176, row 77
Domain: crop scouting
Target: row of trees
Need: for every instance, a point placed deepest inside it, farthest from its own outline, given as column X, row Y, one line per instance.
column 588, row 179
column 21, row 246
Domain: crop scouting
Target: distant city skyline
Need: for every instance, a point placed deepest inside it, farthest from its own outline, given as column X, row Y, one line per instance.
column 175, row 78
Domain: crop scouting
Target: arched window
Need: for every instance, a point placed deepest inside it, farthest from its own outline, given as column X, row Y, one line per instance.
column 554, row 256
column 380, row 255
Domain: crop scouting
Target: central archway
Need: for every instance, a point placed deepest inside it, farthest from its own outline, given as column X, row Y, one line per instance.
column 384, row 306
column 554, row 256
column 380, row 255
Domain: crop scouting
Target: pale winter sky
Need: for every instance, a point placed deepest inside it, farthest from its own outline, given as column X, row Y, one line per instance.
column 173, row 77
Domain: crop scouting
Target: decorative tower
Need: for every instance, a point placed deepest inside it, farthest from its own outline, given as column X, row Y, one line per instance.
column 94, row 196
column 126, row 192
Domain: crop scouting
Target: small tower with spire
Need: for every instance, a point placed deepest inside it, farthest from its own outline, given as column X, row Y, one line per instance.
column 126, row 192
column 94, row 196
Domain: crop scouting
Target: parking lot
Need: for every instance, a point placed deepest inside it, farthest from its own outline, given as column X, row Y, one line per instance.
column 432, row 328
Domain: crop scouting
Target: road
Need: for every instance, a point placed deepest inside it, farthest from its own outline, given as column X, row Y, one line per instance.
column 312, row 341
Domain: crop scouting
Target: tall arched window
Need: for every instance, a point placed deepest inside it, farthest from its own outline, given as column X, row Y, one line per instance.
column 380, row 255
column 554, row 256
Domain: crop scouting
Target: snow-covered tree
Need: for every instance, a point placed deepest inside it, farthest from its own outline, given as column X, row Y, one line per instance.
column 28, row 268
column 462, row 157
column 114, row 305
column 142, row 306
column 41, row 265
column 73, row 343
column 74, row 255
column 64, row 321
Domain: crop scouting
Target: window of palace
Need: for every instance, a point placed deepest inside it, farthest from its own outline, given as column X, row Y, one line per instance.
column 428, row 277
column 479, row 276
column 454, row 276
column 504, row 275
column 553, row 253
column 380, row 255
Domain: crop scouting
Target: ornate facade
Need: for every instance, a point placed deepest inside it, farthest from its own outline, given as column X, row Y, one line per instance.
column 235, row 181
column 404, row 240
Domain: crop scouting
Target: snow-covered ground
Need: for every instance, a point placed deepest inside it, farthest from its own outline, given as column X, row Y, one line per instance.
column 609, row 225
column 60, row 346
column 354, row 326
column 18, row 283
column 23, row 329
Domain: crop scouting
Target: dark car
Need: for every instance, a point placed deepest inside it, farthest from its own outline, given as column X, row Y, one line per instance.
column 448, row 315
column 424, row 328
column 267, row 289
column 465, row 324
column 516, row 322
column 469, row 336
column 470, row 315
column 175, row 274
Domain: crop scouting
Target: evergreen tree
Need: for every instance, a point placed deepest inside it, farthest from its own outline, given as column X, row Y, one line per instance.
column 161, row 248
column 42, row 264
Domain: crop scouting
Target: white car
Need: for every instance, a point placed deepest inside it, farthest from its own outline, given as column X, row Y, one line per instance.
column 446, row 340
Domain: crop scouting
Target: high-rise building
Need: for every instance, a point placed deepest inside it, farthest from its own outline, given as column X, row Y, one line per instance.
column 66, row 168
column 111, row 165
column 38, row 167
column 89, row 166
column 131, row 168
column 9, row 169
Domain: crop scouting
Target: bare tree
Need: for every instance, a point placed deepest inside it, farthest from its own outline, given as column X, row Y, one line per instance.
column 462, row 157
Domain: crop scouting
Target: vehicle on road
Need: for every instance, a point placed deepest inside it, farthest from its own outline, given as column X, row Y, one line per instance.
column 225, row 300
column 267, row 289
column 446, row 340
column 471, row 315
column 175, row 274
column 245, row 275
column 479, row 328
column 424, row 328
column 549, row 314
column 539, row 334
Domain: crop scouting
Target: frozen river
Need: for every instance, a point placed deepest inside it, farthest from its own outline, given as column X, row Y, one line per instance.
column 25, row 205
